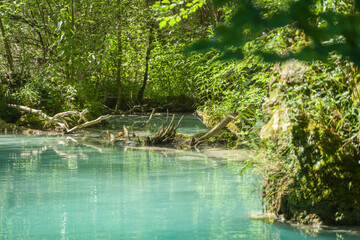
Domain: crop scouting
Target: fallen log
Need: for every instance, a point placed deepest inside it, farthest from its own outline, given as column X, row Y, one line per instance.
column 88, row 123
column 212, row 132
column 59, row 118
column 164, row 136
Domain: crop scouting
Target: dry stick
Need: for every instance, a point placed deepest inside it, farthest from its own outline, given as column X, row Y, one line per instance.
column 164, row 133
column 110, row 110
column 178, row 124
column 164, row 123
column 151, row 115
column 134, row 108
column 126, row 133
column 30, row 110
column 170, row 127
column 63, row 114
column 58, row 116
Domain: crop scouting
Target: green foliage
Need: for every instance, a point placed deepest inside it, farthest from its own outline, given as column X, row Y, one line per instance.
column 313, row 156
column 310, row 118
column 329, row 25
column 184, row 8
column 172, row 75
column 235, row 86
column 72, row 55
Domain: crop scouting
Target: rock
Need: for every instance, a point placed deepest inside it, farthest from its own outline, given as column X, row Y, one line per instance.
column 280, row 121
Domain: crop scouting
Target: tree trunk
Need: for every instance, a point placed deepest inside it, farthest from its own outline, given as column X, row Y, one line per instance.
column 7, row 48
column 43, row 41
column 118, row 71
column 147, row 58
column 219, row 126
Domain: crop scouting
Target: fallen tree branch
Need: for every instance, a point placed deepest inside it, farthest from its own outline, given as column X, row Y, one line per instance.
column 151, row 115
column 89, row 123
column 68, row 113
column 30, row 110
column 40, row 113
column 59, row 118
column 166, row 134
column 218, row 127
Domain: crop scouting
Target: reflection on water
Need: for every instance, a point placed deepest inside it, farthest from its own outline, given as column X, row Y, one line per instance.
column 189, row 124
column 58, row 188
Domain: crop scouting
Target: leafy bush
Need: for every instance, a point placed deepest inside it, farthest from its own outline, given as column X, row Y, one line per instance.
column 312, row 145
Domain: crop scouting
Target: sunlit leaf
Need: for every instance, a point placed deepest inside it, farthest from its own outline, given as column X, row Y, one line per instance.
column 162, row 24
column 172, row 22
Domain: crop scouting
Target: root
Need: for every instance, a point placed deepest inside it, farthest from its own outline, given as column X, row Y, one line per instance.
column 165, row 135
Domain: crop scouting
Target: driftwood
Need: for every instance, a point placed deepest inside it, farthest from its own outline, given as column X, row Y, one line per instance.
column 126, row 133
column 218, row 127
column 165, row 135
column 134, row 108
column 151, row 115
column 89, row 123
column 59, row 120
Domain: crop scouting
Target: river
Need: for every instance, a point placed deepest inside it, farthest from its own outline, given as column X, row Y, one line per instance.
column 56, row 187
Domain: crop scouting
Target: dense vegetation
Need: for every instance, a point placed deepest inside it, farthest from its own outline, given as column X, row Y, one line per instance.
column 110, row 56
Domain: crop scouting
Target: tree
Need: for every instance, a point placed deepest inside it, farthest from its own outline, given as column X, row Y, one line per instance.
column 140, row 95
column 7, row 47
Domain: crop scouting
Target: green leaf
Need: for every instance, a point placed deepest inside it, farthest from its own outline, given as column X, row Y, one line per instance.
column 156, row 5
column 162, row 24
column 172, row 22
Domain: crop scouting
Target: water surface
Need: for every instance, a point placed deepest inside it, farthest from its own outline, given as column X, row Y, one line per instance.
column 189, row 123
column 58, row 188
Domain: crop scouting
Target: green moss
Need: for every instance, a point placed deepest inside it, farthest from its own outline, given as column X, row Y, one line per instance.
column 9, row 127
column 323, row 179
column 31, row 121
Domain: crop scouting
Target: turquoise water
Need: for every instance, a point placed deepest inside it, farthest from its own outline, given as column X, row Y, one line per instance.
column 58, row 188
